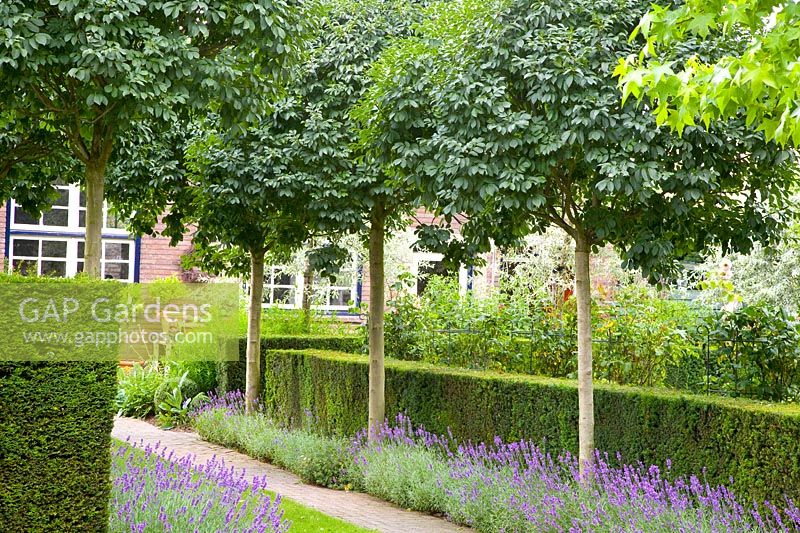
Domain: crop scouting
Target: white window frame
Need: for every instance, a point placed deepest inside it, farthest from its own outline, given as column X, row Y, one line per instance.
column 299, row 287
column 73, row 234
column 323, row 284
column 418, row 258
column 270, row 272
column 74, row 210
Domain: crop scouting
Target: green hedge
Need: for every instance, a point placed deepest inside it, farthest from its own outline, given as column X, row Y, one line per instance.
column 55, row 439
column 231, row 374
column 756, row 444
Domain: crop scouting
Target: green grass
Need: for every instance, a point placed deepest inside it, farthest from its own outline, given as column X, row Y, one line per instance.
column 305, row 519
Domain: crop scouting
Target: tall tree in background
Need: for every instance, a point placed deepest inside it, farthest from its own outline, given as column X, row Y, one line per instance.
column 508, row 113
column 241, row 217
column 82, row 73
column 309, row 142
column 758, row 79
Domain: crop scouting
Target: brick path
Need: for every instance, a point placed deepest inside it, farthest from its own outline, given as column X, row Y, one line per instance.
column 354, row 507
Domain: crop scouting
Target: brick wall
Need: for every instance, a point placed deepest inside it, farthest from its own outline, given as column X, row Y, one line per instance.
column 160, row 260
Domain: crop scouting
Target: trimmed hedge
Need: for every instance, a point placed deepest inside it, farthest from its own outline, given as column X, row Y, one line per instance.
column 231, row 374
column 755, row 443
column 55, row 439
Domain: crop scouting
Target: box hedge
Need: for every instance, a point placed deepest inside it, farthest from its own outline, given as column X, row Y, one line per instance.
column 231, row 374
column 756, row 444
column 55, row 438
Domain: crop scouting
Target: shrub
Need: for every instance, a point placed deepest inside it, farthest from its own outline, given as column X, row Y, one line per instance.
column 137, row 388
column 315, row 458
column 639, row 336
column 499, row 486
column 55, row 435
column 186, row 386
column 231, row 374
column 149, row 494
column 755, row 352
column 756, row 444
column 55, row 431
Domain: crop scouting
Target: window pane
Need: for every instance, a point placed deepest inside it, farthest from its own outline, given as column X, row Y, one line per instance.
column 117, row 251
column 24, row 266
column 80, row 266
column 82, row 218
column 56, row 217
column 113, row 221
column 63, row 198
column 283, row 278
column 283, row 296
column 81, row 249
column 21, row 217
column 82, row 199
column 26, row 247
column 54, row 248
column 116, row 271
column 340, row 297
column 54, row 268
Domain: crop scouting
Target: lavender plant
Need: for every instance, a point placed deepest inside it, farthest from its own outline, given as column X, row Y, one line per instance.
column 320, row 460
column 155, row 491
column 500, row 486
column 518, row 487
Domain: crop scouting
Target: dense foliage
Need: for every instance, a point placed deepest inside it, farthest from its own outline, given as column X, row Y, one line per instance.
column 516, row 329
column 165, row 390
column 755, row 444
column 55, row 433
column 641, row 338
column 154, row 492
column 493, row 486
column 231, row 374
column 758, row 79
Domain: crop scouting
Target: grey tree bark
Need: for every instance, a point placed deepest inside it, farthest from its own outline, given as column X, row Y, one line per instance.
column 308, row 293
column 583, row 297
column 253, row 369
column 377, row 402
column 95, row 193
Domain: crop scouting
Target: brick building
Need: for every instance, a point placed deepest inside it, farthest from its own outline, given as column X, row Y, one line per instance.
column 53, row 243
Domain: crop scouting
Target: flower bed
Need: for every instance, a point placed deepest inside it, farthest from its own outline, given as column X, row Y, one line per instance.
column 498, row 486
column 151, row 492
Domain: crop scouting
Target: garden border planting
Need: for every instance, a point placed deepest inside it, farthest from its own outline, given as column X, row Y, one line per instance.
column 757, row 444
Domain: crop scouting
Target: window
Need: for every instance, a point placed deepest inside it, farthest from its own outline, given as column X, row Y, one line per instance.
column 284, row 289
column 67, row 214
column 45, row 257
column 279, row 287
column 339, row 294
column 53, row 244
column 426, row 265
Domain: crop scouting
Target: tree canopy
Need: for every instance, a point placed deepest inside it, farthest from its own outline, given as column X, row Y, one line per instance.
column 758, row 78
column 521, row 122
column 507, row 113
column 83, row 73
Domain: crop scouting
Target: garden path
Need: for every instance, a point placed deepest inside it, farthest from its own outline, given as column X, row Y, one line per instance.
column 354, row 507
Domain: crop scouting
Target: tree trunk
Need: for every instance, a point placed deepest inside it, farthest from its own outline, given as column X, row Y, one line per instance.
column 583, row 296
column 308, row 292
column 95, row 185
column 377, row 403
column 253, row 378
